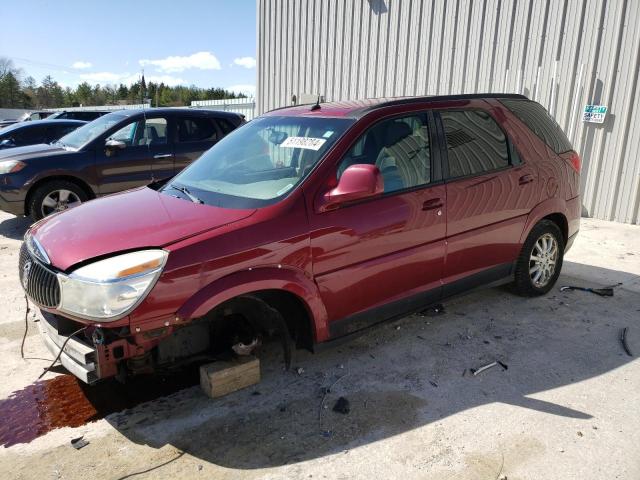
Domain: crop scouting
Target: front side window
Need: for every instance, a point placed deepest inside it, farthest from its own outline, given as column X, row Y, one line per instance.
column 399, row 148
column 260, row 162
column 475, row 143
column 152, row 131
column 89, row 132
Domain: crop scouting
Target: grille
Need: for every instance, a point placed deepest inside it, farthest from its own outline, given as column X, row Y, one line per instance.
column 40, row 283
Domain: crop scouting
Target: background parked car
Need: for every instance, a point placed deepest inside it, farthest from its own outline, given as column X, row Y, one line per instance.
column 118, row 151
column 86, row 115
column 39, row 131
column 26, row 117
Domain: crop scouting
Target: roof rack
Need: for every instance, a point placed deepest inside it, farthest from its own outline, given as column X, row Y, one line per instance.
column 435, row 98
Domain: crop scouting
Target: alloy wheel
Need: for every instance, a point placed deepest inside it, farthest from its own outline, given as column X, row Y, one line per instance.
column 59, row 200
column 543, row 259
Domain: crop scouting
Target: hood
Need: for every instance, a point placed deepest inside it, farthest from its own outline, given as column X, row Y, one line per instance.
column 130, row 220
column 32, row 151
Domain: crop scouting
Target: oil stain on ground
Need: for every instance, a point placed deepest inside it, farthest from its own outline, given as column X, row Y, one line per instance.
column 65, row 401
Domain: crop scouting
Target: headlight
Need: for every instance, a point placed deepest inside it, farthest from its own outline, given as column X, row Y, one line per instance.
column 11, row 166
column 109, row 289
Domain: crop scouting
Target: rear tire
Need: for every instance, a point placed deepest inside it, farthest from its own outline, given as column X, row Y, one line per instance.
column 55, row 196
column 540, row 260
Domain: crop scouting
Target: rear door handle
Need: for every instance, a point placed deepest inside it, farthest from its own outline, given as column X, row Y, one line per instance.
column 432, row 204
column 524, row 179
column 163, row 155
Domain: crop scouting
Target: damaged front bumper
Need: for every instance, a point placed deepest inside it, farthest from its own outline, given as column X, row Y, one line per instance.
column 78, row 356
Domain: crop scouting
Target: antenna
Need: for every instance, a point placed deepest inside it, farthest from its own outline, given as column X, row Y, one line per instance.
column 316, row 106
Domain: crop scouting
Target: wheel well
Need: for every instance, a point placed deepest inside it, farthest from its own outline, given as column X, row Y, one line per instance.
column 295, row 314
column 42, row 181
column 289, row 306
column 560, row 220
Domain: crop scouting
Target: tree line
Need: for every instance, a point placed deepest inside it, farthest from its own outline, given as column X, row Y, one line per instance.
column 20, row 91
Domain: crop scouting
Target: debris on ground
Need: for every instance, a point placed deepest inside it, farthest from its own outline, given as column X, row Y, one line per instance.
column 477, row 371
column 342, row 406
column 603, row 292
column 434, row 384
column 299, row 370
column 623, row 340
column 433, row 311
column 244, row 350
column 503, row 365
column 79, row 442
column 325, row 391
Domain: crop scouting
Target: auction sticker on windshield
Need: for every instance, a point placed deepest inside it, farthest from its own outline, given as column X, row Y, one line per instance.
column 309, row 143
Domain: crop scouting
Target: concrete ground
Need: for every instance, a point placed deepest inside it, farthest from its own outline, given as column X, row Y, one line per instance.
column 566, row 407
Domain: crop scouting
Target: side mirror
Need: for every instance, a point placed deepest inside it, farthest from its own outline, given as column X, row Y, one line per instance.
column 7, row 142
column 357, row 182
column 112, row 146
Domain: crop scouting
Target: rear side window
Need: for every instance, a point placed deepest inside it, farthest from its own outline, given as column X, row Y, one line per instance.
column 475, row 143
column 194, row 129
column 534, row 116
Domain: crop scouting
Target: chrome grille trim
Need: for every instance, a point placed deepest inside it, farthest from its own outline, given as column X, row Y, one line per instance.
column 38, row 281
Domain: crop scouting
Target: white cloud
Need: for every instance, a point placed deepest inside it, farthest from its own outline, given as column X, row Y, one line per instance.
column 104, row 77
column 200, row 60
column 246, row 62
column 166, row 79
column 128, row 78
column 79, row 65
column 249, row 90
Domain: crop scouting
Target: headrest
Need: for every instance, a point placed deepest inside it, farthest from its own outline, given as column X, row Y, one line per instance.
column 395, row 132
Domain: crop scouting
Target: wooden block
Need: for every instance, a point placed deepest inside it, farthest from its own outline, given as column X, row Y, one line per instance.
column 220, row 378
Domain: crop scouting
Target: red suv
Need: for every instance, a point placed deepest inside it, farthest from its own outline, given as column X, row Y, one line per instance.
column 308, row 223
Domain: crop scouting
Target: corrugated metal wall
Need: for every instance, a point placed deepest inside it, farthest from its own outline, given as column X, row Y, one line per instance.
column 244, row 106
column 562, row 53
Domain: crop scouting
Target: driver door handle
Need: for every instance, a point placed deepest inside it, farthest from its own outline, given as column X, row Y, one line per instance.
column 432, row 204
column 524, row 179
column 163, row 155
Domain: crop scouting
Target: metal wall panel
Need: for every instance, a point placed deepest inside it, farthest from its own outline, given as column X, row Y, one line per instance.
column 561, row 53
column 243, row 106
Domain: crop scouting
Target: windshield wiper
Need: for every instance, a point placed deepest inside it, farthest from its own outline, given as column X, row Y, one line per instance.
column 186, row 192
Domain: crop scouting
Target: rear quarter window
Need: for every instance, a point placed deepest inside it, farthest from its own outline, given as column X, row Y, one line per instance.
column 225, row 126
column 536, row 117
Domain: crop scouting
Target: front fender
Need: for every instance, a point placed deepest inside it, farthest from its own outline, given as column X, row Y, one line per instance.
column 260, row 278
column 543, row 209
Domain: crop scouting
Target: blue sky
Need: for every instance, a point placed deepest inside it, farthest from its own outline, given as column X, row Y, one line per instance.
column 205, row 43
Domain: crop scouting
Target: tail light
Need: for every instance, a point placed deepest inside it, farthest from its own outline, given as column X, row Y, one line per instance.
column 575, row 161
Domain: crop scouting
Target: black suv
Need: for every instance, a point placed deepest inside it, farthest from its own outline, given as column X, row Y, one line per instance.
column 118, row 151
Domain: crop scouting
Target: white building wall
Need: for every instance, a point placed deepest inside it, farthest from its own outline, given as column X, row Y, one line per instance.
column 561, row 53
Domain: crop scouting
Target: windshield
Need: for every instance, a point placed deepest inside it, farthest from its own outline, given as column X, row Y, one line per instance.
column 259, row 162
column 83, row 135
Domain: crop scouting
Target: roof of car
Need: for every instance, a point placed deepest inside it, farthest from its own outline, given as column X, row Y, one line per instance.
column 36, row 123
column 176, row 111
column 358, row 108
